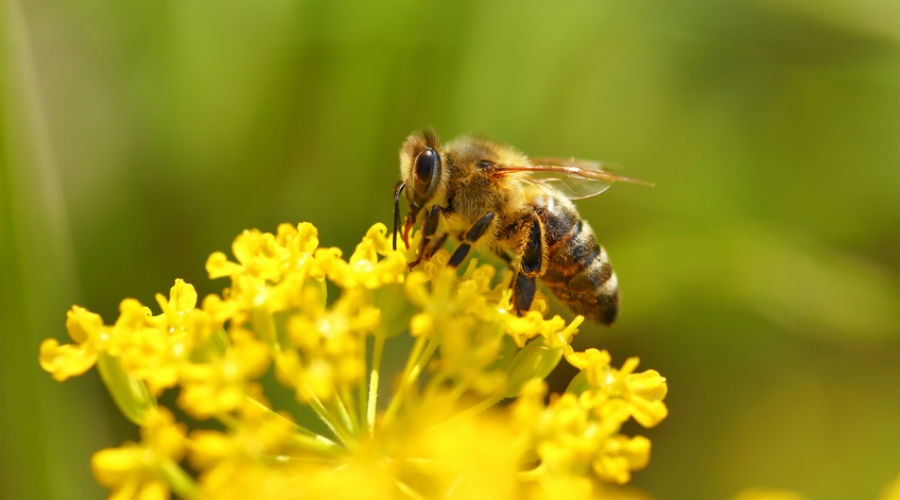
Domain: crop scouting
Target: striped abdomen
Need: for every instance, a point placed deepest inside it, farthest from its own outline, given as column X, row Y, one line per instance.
column 578, row 269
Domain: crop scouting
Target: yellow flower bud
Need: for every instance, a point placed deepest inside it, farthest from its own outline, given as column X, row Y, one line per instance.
column 421, row 325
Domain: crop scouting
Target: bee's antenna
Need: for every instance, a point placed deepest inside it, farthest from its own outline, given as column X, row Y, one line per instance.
column 397, row 190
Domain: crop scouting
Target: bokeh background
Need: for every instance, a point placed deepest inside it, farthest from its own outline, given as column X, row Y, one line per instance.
column 760, row 275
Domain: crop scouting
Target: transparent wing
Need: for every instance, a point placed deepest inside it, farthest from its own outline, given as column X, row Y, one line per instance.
column 573, row 186
column 576, row 179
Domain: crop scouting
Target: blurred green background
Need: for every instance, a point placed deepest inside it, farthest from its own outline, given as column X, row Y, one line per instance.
column 760, row 275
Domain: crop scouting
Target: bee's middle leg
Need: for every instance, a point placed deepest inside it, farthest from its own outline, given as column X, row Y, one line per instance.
column 531, row 266
column 475, row 232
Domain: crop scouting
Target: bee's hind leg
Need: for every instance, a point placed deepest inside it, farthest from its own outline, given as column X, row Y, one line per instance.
column 531, row 266
column 476, row 231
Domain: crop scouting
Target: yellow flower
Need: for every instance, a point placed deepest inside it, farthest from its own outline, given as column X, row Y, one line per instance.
column 64, row 361
column 249, row 451
column 144, row 470
column 579, row 430
column 430, row 427
column 220, row 385
column 643, row 392
column 364, row 268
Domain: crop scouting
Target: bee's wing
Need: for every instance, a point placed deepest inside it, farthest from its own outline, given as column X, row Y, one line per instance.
column 576, row 179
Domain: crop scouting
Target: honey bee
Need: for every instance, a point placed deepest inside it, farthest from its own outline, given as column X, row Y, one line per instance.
column 491, row 196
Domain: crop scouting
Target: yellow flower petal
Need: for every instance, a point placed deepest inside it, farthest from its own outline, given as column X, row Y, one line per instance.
column 112, row 466
column 218, row 266
column 64, row 361
column 421, row 325
column 82, row 324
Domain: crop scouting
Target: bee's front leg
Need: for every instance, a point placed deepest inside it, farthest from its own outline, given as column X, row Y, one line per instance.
column 475, row 232
column 429, row 227
column 436, row 245
column 530, row 266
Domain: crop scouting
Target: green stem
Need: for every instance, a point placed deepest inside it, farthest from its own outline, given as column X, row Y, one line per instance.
column 316, row 443
column 374, row 380
column 458, row 390
column 363, row 392
column 130, row 394
column 264, row 325
column 474, row 409
column 421, row 353
column 327, row 418
column 483, row 405
column 304, row 438
column 408, row 490
column 414, row 355
column 434, row 384
column 350, row 402
column 426, row 466
column 180, row 481
column 297, row 427
column 341, row 410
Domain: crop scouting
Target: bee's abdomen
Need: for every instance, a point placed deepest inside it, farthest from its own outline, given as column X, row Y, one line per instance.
column 580, row 274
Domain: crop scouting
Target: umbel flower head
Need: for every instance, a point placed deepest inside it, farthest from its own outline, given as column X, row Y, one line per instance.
column 300, row 317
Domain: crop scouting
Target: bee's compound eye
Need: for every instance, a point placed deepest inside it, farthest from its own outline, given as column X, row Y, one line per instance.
column 426, row 163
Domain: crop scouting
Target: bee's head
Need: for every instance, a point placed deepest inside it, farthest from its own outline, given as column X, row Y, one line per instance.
column 421, row 174
column 421, row 169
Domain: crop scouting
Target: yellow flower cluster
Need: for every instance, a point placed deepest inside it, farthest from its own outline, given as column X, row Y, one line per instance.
column 397, row 377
